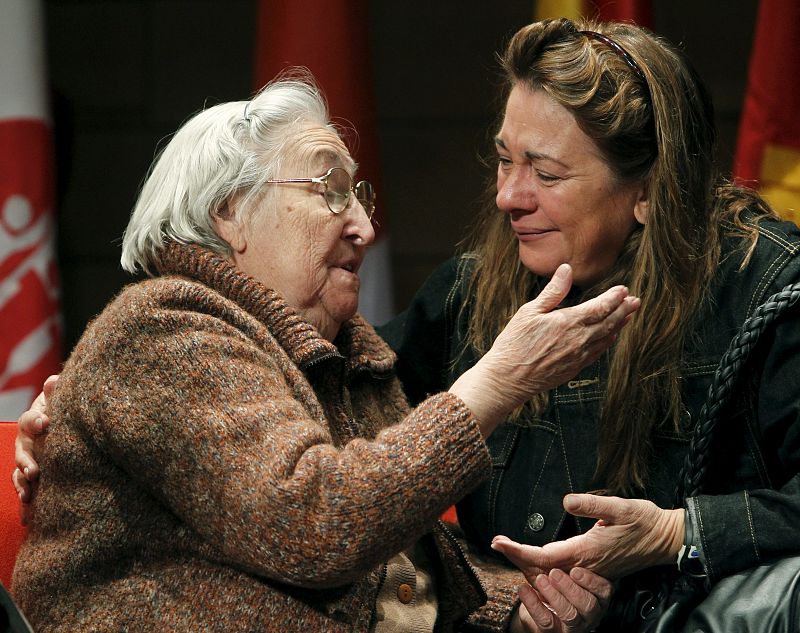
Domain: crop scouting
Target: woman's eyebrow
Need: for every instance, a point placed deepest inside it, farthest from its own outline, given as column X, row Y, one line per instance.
column 531, row 156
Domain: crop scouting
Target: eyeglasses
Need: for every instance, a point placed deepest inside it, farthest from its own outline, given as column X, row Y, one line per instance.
column 338, row 186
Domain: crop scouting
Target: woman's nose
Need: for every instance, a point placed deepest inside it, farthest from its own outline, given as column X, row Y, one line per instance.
column 515, row 192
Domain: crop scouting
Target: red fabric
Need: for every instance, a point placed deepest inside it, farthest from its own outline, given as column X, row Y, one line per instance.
column 11, row 532
column 772, row 100
column 637, row 11
column 450, row 515
column 331, row 39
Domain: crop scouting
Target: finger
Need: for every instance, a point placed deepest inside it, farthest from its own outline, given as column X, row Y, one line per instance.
column 533, row 614
column 25, row 513
column 608, row 509
column 623, row 313
column 555, row 290
column 603, row 306
column 24, row 456
column 530, row 559
column 611, row 323
column 587, row 605
column 21, row 485
column 601, row 588
column 559, row 603
column 34, row 421
column 49, row 386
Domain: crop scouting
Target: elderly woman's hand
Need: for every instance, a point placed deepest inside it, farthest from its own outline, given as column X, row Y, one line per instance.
column 31, row 424
column 541, row 348
column 630, row 534
column 558, row 602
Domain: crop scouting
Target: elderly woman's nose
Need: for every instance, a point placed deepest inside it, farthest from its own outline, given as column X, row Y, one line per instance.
column 358, row 228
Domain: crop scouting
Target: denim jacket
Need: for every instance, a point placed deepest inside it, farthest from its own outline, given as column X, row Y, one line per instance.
column 751, row 507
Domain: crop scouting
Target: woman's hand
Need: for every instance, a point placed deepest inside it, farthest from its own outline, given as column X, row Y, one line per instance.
column 31, row 424
column 541, row 348
column 630, row 534
column 558, row 602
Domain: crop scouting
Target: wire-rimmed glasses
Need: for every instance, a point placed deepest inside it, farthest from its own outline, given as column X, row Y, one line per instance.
column 338, row 186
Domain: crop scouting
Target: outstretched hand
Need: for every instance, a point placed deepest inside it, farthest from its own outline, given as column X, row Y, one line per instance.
column 630, row 534
column 542, row 347
column 31, row 425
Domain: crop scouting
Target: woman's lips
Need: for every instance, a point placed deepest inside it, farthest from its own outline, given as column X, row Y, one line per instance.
column 527, row 235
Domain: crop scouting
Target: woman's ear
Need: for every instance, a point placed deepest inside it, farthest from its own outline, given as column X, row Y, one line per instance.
column 228, row 227
column 640, row 208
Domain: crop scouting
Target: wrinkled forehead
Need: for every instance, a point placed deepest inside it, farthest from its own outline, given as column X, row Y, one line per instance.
column 316, row 149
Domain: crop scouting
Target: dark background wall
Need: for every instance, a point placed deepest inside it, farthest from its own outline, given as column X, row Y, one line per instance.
column 126, row 73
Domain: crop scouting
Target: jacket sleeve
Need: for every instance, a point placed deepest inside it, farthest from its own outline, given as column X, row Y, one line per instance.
column 422, row 336
column 742, row 529
column 209, row 423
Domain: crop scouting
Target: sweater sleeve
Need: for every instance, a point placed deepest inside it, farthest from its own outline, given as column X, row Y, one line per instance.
column 740, row 530
column 210, row 423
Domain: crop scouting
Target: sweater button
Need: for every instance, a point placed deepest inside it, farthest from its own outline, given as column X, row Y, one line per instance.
column 535, row 522
column 405, row 593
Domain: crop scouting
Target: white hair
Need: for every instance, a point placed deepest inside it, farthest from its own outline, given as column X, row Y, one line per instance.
column 229, row 150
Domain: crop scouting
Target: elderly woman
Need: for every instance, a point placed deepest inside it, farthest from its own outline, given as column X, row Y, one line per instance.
column 230, row 448
column 604, row 161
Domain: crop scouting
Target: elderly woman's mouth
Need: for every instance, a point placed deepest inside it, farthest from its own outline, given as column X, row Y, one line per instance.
column 350, row 266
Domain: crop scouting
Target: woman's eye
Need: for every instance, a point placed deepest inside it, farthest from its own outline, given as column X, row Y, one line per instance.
column 544, row 177
column 503, row 162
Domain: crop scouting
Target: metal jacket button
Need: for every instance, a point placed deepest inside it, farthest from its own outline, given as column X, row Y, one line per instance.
column 535, row 522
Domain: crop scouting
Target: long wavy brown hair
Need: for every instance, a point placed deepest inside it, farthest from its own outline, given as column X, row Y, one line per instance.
column 657, row 130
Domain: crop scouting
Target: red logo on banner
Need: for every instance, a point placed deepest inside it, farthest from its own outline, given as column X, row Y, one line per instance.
column 30, row 328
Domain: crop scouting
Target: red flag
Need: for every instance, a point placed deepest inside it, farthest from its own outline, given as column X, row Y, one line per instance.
column 331, row 39
column 637, row 11
column 768, row 151
column 30, row 326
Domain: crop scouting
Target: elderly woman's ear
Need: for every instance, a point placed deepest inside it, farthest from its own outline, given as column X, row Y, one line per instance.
column 229, row 228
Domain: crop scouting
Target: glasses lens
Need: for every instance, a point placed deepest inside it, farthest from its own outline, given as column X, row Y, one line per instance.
column 366, row 196
column 337, row 193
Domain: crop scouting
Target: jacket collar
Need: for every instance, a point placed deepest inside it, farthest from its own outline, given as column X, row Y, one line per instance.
column 357, row 341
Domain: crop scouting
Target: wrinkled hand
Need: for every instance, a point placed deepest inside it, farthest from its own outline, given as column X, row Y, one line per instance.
column 630, row 534
column 558, row 602
column 31, row 425
column 541, row 348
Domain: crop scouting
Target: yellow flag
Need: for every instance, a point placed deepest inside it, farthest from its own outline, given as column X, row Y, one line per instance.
column 544, row 9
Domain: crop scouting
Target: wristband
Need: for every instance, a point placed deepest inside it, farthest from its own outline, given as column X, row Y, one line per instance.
column 689, row 561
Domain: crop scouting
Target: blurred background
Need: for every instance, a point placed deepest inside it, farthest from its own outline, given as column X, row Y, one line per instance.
column 121, row 76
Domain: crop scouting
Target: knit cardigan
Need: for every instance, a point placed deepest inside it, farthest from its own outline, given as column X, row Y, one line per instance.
column 213, row 464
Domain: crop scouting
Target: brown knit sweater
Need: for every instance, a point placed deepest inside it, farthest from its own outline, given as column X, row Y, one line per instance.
column 213, row 464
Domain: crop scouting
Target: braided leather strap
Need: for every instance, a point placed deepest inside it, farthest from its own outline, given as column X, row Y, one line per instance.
column 727, row 373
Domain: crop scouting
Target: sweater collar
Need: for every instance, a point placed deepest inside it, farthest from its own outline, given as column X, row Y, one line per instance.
column 357, row 341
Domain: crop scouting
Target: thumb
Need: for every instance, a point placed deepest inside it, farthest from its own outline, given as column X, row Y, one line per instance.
column 530, row 560
column 607, row 509
column 555, row 290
